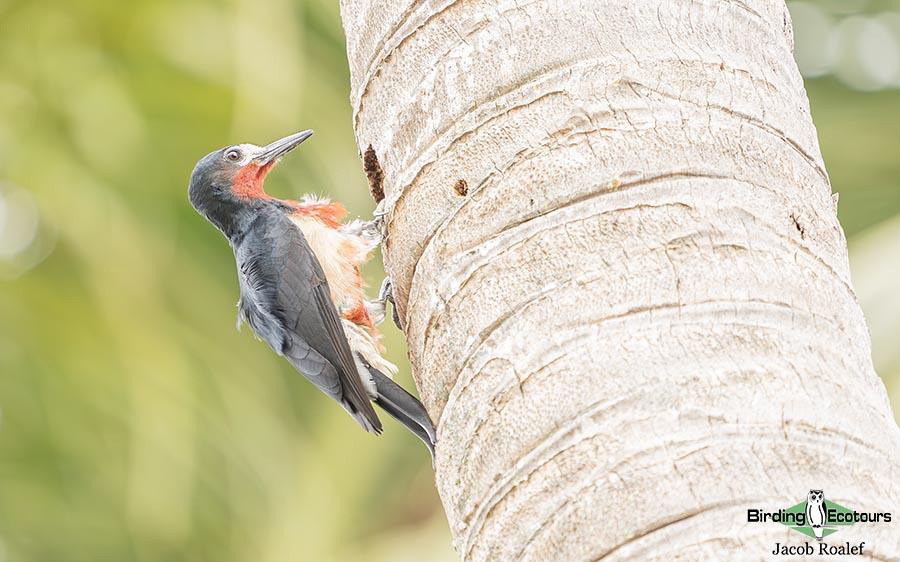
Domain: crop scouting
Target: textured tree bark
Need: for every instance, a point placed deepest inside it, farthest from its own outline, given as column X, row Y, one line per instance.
column 626, row 292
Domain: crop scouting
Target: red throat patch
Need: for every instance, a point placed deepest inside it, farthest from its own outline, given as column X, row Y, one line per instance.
column 248, row 182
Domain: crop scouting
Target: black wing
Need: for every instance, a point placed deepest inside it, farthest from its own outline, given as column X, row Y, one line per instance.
column 286, row 300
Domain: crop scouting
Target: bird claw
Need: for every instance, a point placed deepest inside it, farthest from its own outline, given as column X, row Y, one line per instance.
column 375, row 310
column 379, row 210
column 372, row 232
column 380, row 219
column 378, row 307
column 386, row 290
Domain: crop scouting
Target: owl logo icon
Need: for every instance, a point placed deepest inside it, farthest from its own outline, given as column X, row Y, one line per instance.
column 815, row 512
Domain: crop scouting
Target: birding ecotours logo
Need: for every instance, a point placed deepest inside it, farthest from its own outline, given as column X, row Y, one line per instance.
column 816, row 517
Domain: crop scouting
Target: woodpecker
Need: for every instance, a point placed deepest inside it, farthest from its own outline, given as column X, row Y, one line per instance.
column 301, row 291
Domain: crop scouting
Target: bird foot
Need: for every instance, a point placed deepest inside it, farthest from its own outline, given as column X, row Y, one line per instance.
column 377, row 308
column 372, row 232
column 376, row 311
column 380, row 222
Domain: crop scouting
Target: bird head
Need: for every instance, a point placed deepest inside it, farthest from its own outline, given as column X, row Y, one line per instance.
column 228, row 180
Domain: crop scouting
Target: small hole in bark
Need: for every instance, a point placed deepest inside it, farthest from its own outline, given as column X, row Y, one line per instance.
column 461, row 187
column 374, row 173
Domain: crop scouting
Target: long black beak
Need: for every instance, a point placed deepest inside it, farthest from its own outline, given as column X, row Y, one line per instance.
column 281, row 147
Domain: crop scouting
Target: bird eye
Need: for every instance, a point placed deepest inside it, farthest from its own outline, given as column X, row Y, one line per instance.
column 233, row 155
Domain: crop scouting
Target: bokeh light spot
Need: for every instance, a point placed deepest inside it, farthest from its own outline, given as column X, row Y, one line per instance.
column 876, row 50
column 18, row 221
column 812, row 26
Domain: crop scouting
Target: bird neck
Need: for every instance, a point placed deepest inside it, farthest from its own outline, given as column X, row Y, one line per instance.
column 232, row 216
column 249, row 214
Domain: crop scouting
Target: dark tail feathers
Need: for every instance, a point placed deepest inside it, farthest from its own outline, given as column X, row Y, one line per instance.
column 404, row 407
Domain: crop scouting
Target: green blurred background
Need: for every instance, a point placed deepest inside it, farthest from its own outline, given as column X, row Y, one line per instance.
column 135, row 423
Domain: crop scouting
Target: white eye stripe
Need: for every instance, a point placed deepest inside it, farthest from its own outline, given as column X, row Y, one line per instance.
column 241, row 153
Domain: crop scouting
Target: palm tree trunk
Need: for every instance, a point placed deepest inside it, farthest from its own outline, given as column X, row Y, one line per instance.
column 625, row 290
